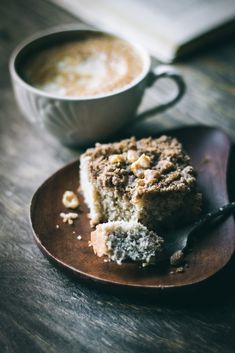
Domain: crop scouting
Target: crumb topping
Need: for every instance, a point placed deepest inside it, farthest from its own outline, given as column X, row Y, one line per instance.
column 143, row 166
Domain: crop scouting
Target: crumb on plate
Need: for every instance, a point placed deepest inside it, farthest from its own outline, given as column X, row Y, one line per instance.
column 70, row 199
column 179, row 269
column 177, row 258
column 69, row 217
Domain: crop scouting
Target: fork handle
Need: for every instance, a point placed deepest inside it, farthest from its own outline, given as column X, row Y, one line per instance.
column 207, row 219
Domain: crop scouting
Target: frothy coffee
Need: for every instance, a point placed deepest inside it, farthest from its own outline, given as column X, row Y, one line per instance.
column 96, row 64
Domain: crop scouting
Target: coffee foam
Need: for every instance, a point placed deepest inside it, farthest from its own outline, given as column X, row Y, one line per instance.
column 92, row 66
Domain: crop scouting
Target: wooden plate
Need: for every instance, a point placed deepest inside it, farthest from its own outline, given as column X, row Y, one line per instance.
column 209, row 150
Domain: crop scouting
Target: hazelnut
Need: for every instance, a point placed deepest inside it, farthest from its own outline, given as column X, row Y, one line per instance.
column 70, row 200
column 132, row 156
column 143, row 162
column 116, row 158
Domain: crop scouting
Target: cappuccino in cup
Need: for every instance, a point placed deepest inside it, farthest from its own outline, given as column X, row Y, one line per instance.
column 93, row 65
column 84, row 85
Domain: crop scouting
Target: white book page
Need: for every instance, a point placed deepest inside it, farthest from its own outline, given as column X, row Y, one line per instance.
column 161, row 26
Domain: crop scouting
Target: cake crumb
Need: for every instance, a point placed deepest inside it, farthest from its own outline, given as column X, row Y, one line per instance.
column 79, row 237
column 89, row 243
column 57, row 226
column 70, row 199
column 179, row 269
column 177, row 258
column 69, row 217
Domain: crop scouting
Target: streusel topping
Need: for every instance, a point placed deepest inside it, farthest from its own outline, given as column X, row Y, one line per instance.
column 148, row 165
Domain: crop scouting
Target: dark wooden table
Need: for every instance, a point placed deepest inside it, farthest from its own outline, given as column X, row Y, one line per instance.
column 43, row 309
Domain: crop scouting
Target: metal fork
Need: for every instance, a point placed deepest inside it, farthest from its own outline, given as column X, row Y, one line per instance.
column 179, row 242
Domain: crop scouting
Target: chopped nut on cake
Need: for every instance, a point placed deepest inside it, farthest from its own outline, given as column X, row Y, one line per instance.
column 149, row 181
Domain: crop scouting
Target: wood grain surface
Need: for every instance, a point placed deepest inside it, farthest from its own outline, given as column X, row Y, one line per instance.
column 43, row 309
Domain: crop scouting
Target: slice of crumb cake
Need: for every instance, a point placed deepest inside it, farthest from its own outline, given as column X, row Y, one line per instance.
column 122, row 241
column 149, row 181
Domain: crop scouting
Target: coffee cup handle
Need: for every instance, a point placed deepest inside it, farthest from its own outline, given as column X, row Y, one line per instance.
column 164, row 71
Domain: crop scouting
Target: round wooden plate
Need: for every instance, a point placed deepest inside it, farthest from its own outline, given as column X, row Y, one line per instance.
column 209, row 150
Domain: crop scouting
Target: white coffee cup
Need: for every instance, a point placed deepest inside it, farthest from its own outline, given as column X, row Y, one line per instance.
column 84, row 120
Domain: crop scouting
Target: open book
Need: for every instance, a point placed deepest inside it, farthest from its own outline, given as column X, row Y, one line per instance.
column 167, row 28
